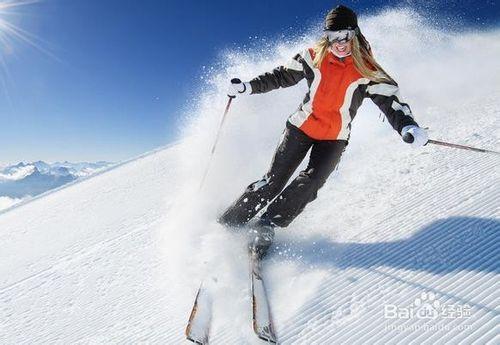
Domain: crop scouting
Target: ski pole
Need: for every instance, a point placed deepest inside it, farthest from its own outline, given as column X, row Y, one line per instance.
column 462, row 147
column 214, row 146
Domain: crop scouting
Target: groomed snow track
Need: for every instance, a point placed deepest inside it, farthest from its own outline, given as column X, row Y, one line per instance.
column 70, row 275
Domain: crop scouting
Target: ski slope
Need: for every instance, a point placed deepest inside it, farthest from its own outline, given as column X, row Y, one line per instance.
column 117, row 258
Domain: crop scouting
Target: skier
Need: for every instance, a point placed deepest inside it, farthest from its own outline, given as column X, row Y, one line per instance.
column 340, row 72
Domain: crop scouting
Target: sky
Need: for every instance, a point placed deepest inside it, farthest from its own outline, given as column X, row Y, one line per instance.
column 90, row 80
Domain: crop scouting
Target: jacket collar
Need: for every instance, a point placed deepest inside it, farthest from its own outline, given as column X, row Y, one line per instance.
column 339, row 61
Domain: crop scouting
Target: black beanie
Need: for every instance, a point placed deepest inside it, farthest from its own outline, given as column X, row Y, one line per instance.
column 341, row 18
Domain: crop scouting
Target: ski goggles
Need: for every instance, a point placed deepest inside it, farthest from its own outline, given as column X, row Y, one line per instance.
column 340, row 36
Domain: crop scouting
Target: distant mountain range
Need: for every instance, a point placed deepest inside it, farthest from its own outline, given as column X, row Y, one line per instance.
column 30, row 179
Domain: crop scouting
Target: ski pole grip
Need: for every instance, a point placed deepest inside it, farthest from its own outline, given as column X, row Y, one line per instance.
column 408, row 138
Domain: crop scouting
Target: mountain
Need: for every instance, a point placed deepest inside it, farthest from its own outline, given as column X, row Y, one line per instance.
column 401, row 246
column 25, row 180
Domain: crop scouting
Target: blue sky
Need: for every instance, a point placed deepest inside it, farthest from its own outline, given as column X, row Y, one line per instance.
column 115, row 73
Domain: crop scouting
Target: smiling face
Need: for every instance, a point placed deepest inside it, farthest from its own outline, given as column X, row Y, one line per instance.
column 341, row 49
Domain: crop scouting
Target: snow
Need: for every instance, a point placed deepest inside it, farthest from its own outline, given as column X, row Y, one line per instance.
column 17, row 173
column 118, row 257
column 26, row 180
column 6, row 202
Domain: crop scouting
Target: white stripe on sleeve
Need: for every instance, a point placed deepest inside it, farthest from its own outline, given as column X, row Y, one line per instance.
column 295, row 65
column 384, row 90
column 405, row 109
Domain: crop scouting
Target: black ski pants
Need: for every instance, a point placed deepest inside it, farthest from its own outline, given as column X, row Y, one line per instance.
column 289, row 202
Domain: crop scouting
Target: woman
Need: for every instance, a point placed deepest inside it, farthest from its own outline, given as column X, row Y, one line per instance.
column 340, row 72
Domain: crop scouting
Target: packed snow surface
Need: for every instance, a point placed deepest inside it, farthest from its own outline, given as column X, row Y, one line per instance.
column 401, row 246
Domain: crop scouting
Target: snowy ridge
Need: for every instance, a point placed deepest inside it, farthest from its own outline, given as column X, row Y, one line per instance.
column 117, row 258
column 83, row 177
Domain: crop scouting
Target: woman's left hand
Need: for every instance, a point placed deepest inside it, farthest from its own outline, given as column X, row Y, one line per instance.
column 414, row 135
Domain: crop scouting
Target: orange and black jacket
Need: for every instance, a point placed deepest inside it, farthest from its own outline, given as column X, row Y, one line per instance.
column 336, row 91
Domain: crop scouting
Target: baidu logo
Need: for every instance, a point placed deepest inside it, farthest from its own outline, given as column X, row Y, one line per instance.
column 427, row 306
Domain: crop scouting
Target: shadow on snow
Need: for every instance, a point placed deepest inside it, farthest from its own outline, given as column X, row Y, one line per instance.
column 447, row 245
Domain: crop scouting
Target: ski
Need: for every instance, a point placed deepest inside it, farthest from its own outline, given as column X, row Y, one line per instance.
column 262, row 321
column 198, row 327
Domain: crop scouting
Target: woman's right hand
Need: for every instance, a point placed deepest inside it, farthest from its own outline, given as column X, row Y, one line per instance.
column 237, row 87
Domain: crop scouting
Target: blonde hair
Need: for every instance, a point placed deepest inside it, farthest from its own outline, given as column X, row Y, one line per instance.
column 362, row 55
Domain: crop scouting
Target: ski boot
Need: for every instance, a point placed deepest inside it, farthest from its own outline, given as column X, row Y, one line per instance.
column 260, row 238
